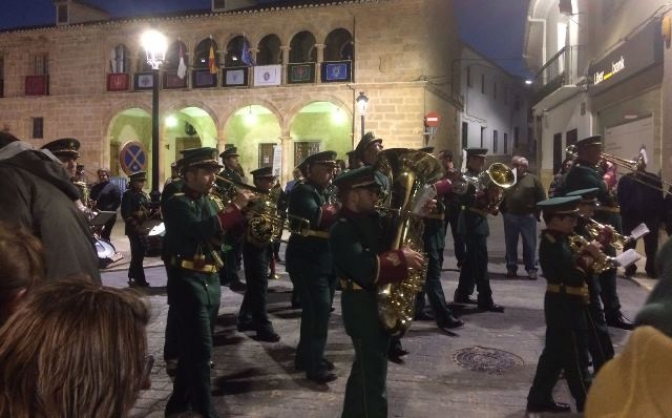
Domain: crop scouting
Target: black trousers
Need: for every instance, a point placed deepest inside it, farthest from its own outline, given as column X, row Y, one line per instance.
column 474, row 272
column 135, row 269
column 253, row 308
column 599, row 341
column 106, row 230
column 650, row 242
column 458, row 239
column 433, row 287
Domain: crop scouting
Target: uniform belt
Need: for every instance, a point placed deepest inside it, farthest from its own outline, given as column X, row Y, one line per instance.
column 350, row 285
column 438, row 216
column 568, row 290
column 189, row 265
column 479, row 211
column 316, row 234
column 612, row 209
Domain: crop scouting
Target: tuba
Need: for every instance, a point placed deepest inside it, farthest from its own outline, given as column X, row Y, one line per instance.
column 407, row 172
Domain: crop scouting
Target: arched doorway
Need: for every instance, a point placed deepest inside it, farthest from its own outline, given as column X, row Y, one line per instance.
column 189, row 127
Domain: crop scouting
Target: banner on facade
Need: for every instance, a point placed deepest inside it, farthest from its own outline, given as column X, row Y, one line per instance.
column 277, row 160
column 144, row 81
column 203, row 78
column 37, row 85
column 338, row 71
column 267, row 75
column 117, row 82
column 235, row 77
column 172, row 80
column 301, row 73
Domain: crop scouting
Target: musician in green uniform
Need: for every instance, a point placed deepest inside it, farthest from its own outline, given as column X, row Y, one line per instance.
column 233, row 244
column 192, row 222
column 309, row 264
column 358, row 244
column 134, row 211
column 257, row 258
column 565, row 309
column 434, row 241
column 473, row 226
column 585, row 174
column 600, row 345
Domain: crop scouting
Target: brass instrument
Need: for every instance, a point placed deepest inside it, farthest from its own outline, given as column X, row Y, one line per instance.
column 266, row 223
column 497, row 178
column 603, row 262
column 595, row 229
column 632, row 166
column 407, row 171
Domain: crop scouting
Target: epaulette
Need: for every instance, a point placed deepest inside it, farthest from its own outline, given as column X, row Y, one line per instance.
column 550, row 237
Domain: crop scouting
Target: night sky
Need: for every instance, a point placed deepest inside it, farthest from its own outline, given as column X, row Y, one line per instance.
column 495, row 28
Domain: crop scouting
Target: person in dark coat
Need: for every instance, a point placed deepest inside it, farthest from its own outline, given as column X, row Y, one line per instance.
column 309, row 264
column 135, row 210
column 36, row 192
column 106, row 196
column 359, row 241
column 585, row 174
column 641, row 200
column 565, row 309
column 192, row 222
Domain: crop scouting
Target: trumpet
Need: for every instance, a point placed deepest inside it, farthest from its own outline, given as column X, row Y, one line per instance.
column 632, row 166
column 602, row 263
column 266, row 222
column 596, row 230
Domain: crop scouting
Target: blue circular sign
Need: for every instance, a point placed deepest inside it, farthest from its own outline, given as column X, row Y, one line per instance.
column 133, row 157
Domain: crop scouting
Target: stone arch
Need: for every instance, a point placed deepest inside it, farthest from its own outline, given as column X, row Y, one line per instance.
column 124, row 123
column 339, row 45
column 302, row 47
column 186, row 125
column 269, row 51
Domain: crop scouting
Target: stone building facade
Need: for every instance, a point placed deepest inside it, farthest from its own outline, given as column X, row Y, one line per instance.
column 87, row 80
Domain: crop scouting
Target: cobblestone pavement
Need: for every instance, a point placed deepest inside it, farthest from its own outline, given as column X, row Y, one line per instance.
column 255, row 379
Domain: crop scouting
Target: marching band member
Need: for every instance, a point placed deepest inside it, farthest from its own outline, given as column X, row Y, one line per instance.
column 565, row 303
column 309, row 264
column 134, row 211
column 585, row 174
column 473, row 226
column 362, row 262
column 192, row 221
column 233, row 244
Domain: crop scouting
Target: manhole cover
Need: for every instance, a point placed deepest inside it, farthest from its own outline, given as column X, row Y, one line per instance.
column 484, row 359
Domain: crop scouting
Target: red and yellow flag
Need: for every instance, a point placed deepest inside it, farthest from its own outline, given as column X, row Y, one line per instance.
column 212, row 65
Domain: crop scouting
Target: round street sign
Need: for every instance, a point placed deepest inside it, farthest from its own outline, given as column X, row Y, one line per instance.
column 432, row 119
column 133, row 157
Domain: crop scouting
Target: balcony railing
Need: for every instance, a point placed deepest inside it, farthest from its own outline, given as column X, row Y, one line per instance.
column 560, row 70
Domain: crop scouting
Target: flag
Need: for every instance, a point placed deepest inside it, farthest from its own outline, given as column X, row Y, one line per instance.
column 182, row 66
column 246, row 55
column 212, row 65
column 267, row 75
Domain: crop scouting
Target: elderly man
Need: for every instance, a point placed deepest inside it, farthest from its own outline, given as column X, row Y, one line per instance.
column 520, row 218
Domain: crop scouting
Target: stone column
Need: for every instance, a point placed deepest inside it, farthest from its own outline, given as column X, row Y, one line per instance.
column 287, row 158
column 318, row 64
column 285, row 60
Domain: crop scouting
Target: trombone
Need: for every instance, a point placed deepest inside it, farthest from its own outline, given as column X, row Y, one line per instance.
column 632, row 166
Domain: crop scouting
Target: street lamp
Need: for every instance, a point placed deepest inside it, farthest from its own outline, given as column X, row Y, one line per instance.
column 155, row 45
column 362, row 105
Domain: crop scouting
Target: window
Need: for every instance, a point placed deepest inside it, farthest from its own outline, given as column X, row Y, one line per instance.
column 41, row 64
column 303, row 149
column 468, row 76
column 482, row 136
column 495, row 141
column 558, row 153
column 119, row 60
column 265, row 155
column 38, row 128
column 516, row 137
column 506, row 143
column 483, row 83
column 62, row 13
column 465, row 135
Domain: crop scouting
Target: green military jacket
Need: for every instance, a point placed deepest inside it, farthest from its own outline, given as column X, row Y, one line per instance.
column 134, row 201
column 472, row 222
column 359, row 244
column 557, row 260
column 169, row 190
column 310, row 254
column 582, row 175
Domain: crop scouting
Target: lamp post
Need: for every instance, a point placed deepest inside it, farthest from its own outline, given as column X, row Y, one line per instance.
column 155, row 45
column 362, row 105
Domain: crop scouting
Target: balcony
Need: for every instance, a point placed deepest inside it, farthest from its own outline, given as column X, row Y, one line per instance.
column 558, row 79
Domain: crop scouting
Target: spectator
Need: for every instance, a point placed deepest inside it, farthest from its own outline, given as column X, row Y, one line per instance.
column 36, row 192
column 21, row 266
column 298, row 178
column 106, row 196
column 556, row 187
column 340, row 167
column 74, row 349
column 520, row 218
column 642, row 202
